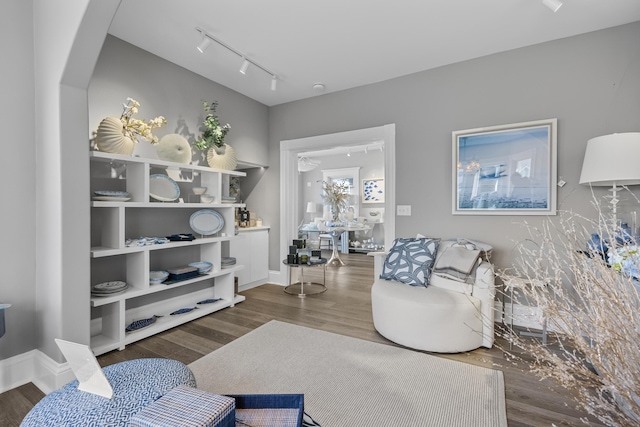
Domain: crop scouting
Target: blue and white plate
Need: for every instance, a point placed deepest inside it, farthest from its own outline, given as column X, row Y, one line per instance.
column 206, row 222
column 163, row 188
column 111, row 193
column 111, row 199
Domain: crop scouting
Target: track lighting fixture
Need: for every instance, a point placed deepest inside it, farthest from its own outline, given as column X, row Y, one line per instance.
column 554, row 5
column 208, row 38
column 244, row 66
column 204, row 44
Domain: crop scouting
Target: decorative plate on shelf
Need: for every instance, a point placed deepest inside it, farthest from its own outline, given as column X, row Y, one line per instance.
column 206, row 222
column 111, row 193
column 163, row 188
column 226, row 199
column 227, row 262
column 108, row 288
column 141, row 324
column 111, row 199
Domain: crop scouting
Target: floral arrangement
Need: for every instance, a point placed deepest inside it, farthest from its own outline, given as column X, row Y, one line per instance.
column 213, row 135
column 625, row 259
column 592, row 306
column 336, row 195
column 133, row 127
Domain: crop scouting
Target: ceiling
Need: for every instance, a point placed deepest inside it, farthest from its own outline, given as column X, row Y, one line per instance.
column 347, row 43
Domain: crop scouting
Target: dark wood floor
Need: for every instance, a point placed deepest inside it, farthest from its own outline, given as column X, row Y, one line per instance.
column 344, row 309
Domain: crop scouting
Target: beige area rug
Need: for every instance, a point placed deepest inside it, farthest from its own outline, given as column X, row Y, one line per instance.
column 349, row 382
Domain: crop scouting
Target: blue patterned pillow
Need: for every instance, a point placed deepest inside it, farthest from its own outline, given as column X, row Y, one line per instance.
column 410, row 261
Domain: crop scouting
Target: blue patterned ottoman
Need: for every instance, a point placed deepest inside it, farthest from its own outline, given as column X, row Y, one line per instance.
column 136, row 384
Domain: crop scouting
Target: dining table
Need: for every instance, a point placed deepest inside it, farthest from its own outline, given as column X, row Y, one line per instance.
column 335, row 230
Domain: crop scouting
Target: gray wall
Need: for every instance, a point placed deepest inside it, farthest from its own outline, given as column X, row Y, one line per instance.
column 371, row 165
column 590, row 83
column 17, row 212
column 163, row 88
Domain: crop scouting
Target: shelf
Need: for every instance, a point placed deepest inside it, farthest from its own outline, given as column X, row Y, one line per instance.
column 98, row 204
column 112, row 223
column 168, row 322
column 101, row 251
column 111, row 158
column 101, row 344
column 134, row 292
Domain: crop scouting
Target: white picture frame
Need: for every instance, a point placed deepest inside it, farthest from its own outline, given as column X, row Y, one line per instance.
column 505, row 170
column 373, row 190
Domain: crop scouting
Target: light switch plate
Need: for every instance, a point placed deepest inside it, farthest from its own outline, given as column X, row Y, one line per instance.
column 403, row 210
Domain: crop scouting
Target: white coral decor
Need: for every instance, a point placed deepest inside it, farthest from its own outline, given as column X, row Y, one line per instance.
column 133, row 127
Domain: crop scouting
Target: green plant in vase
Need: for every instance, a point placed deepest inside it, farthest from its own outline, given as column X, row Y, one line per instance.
column 219, row 154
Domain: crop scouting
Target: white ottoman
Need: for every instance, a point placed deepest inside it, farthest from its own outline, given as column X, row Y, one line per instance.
column 430, row 319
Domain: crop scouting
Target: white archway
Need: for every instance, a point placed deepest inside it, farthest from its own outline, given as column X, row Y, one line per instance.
column 290, row 186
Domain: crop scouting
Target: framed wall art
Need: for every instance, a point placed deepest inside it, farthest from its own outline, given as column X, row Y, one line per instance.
column 505, row 170
column 373, row 190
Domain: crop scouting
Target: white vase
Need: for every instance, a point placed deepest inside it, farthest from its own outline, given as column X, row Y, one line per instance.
column 110, row 137
column 222, row 157
column 174, row 148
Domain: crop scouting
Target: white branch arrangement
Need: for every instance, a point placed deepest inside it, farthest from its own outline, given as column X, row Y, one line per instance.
column 593, row 311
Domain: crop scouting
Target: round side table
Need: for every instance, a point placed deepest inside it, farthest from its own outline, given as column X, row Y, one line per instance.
column 302, row 288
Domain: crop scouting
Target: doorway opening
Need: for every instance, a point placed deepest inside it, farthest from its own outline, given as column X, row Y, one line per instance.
column 290, row 186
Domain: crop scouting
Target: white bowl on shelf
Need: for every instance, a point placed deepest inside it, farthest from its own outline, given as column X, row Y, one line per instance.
column 202, row 266
column 198, row 191
column 207, row 198
column 158, row 276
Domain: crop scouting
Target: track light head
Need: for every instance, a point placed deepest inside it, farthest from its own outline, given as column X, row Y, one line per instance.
column 208, row 38
column 553, row 5
column 204, row 43
column 244, row 66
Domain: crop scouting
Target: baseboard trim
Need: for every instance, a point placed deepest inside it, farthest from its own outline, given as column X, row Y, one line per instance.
column 276, row 277
column 17, row 370
column 34, row 367
column 251, row 285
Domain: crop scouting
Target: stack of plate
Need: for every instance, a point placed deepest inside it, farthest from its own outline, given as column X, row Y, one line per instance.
column 111, row 196
column 226, row 262
column 108, row 288
column 226, row 199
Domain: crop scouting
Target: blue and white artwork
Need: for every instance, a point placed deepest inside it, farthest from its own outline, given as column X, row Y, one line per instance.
column 373, row 190
column 506, row 170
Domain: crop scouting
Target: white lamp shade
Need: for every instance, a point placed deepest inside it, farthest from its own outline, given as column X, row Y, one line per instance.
column 612, row 159
column 311, row 207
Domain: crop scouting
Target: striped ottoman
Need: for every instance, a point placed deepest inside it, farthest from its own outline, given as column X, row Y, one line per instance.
column 136, row 384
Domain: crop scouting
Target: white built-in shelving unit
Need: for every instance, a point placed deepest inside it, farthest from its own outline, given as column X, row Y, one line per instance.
column 112, row 223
